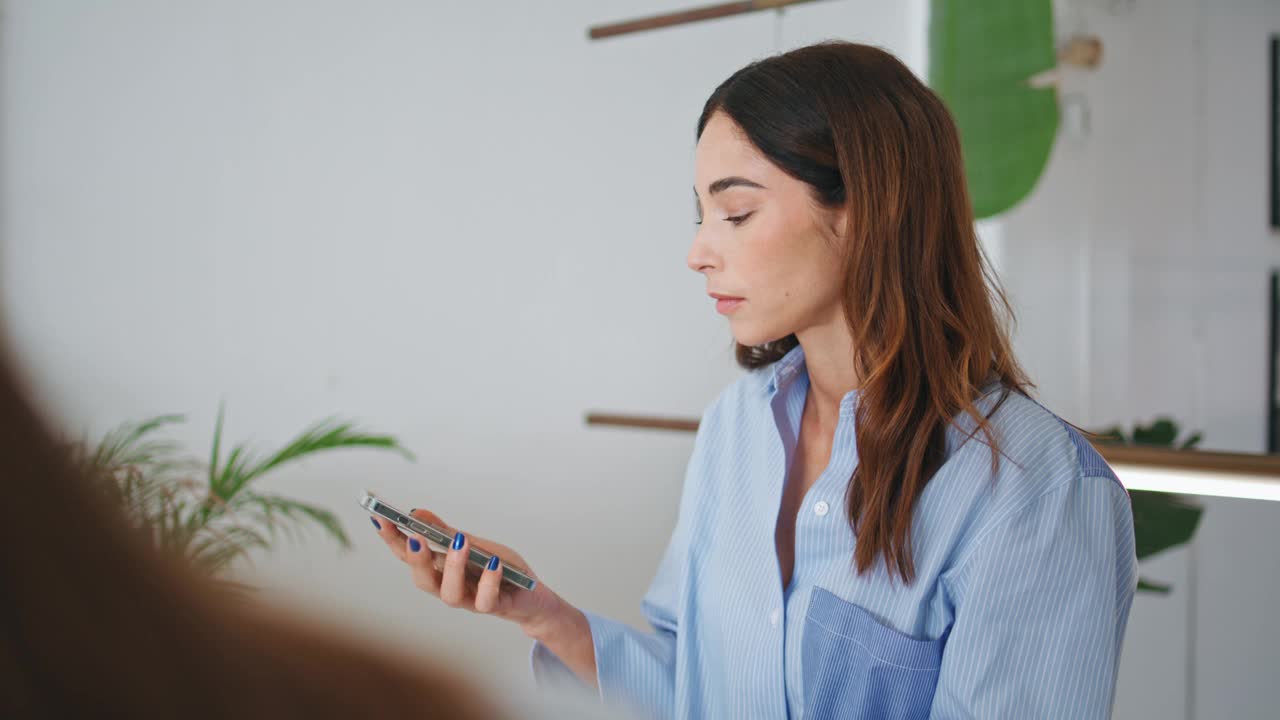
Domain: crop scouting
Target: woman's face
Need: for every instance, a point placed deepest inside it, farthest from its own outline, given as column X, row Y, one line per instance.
column 763, row 238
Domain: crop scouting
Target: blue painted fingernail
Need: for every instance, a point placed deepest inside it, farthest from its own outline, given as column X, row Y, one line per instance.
column 457, row 541
column 493, row 563
column 375, row 523
column 414, row 545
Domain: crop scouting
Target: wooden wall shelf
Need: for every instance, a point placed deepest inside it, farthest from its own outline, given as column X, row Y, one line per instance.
column 684, row 17
column 1242, row 465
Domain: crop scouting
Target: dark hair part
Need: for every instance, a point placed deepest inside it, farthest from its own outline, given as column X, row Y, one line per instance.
column 95, row 623
column 863, row 132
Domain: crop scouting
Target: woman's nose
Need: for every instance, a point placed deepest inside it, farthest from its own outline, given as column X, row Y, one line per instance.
column 700, row 258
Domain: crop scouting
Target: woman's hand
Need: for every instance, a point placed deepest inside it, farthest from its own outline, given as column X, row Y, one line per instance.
column 541, row 613
column 452, row 579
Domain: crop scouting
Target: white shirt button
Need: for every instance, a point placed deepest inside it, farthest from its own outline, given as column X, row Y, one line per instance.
column 820, row 508
column 775, row 616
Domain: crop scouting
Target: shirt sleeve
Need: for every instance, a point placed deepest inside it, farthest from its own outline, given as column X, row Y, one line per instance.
column 633, row 668
column 1040, row 609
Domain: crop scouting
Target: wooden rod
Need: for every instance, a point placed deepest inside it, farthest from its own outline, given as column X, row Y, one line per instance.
column 684, row 17
column 638, row 421
column 1155, row 457
column 1204, row 460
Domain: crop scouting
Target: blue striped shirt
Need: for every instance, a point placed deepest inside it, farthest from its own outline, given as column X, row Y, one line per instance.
column 1023, row 580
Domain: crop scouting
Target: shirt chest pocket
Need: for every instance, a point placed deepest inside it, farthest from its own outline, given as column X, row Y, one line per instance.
column 855, row 667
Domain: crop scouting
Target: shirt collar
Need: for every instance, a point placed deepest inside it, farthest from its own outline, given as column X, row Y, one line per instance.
column 783, row 372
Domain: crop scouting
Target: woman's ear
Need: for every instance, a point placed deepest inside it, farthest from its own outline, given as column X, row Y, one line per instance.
column 838, row 223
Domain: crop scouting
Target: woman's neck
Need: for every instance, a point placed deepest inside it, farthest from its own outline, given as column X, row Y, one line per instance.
column 828, row 358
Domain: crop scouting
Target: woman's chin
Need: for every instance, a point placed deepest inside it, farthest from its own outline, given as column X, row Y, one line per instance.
column 752, row 337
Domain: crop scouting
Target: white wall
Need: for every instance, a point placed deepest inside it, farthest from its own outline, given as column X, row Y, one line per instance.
column 467, row 226
column 1140, row 266
column 459, row 222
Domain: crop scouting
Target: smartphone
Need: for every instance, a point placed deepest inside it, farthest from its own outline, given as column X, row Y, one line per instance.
column 439, row 539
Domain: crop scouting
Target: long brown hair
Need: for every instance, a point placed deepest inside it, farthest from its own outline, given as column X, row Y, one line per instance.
column 94, row 623
column 858, row 127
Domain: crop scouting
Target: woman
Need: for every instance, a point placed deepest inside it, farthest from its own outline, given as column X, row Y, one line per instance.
column 877, row 521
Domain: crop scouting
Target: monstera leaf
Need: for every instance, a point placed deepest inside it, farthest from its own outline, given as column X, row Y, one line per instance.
column 981, row 55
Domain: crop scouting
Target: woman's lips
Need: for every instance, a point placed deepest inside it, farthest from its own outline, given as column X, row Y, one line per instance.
column 724, row 306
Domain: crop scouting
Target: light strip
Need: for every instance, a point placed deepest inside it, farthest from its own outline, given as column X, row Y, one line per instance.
column 1199, row 482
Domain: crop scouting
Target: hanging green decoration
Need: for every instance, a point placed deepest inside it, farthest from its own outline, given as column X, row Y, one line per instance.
column 982, row 54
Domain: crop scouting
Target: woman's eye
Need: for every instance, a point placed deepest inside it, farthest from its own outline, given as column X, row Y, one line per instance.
column 735, row 219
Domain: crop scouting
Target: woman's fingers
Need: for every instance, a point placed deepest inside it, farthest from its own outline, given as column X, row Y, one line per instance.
column 391, row 536
column 396, row 540
column 453, row 583
column 422, row 564
column 429, row 518
column 446, row 575
column 489, row 586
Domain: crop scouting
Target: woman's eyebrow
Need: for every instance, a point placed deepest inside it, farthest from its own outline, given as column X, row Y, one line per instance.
column 725, row 183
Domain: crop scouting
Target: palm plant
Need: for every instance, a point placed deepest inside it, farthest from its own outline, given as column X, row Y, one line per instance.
column 1160, row 520
column 212, row 516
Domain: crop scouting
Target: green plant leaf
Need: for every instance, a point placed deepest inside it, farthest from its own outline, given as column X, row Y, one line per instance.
column 128, row 444
column 1112, row 434
column 236, row 474
column 173, row 534
column 217, row 446
column 205, row 515
column 1162, row 432
column 241, row 469
column 981, row 55
column 299, row 513
column 328, row 434
column 232, row 477
column 1162, row 521
column 1145, row 585
column 218, row 547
